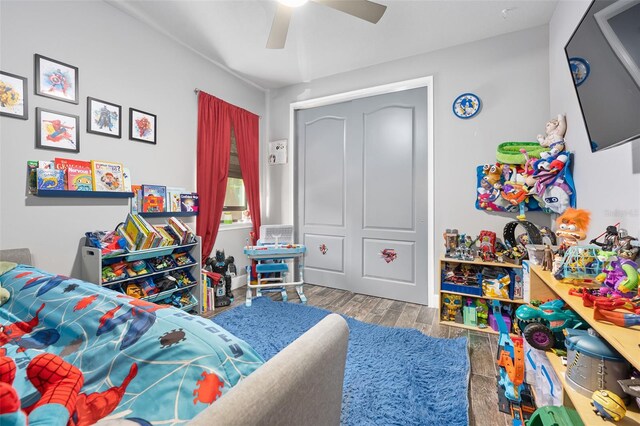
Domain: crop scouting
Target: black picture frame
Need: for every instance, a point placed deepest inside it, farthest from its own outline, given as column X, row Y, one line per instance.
column 135, row 133
column 64, row 77
column 7, row 81
column 93, row 125
column 51, row 128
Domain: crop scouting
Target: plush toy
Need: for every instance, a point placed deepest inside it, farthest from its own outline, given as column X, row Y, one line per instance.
column 572, row 227
column 554, row 137
column 492, row 172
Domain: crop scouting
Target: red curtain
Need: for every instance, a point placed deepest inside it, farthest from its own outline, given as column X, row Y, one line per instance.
column 214, row 146
column 246, row 127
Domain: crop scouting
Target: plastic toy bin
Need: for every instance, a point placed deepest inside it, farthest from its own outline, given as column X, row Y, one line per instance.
column 471, row 290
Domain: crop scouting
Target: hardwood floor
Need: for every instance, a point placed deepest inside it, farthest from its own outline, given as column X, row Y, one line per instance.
column 483, row 399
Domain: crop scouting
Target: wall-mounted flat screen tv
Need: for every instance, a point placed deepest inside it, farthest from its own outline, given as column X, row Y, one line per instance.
column 604, row 58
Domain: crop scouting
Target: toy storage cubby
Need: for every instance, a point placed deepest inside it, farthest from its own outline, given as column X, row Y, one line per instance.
column 471, row 288
column 623, row 339
column 190, row 264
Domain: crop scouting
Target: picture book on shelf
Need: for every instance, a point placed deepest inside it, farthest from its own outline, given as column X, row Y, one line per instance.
column 126, row 176
column 136, row 201
column 189, row 202
column 32, row 177
column 107, row 176
column 153, row 198
column 81, row 173
column 173, row 198
column 50, row 179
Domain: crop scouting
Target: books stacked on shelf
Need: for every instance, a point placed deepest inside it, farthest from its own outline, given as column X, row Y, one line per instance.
column 76, row 175
column 141, row 235
column 162, row 199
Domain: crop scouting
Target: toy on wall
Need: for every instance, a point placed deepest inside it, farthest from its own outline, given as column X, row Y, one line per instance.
column 553, row 138
column 529, row 176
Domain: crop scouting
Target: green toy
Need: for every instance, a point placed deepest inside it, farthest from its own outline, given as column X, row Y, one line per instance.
column 510, row 152
column 470, row 313
column 482, row 309
column 554, row 416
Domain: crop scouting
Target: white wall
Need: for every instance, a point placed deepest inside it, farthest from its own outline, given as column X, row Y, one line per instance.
column 122, row 61
column 510, row 73
column 605, row 180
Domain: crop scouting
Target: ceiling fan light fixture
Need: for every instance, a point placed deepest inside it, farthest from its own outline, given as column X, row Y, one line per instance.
column 292, row 3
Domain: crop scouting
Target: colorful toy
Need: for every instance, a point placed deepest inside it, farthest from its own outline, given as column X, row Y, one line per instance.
column 542, row 326
column 482, row 309
column 608, row 405
column 114, row 272
column 555, row 416
column 498, row 287
column 553, row 138
column 511, row 386
column 450, row 242
column 451, row 305
column 619, row 277
column 470, row 313
column 620, row 319
column 572, row 227
column 580, row 264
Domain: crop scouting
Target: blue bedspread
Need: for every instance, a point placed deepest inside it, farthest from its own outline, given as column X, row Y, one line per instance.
column 143, row 360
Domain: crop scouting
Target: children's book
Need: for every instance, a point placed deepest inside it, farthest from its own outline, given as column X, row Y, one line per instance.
column 126, row 176
column 154, row 198
column 50, row 179
column 32, row 177
column 79, row 176
column 189, row 202
column 173, row 198
column 107, row 176
column 135, row 232
column 136, row 201
column 46, row 165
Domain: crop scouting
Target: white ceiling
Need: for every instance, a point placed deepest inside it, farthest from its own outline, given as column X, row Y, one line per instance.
column 323, row 41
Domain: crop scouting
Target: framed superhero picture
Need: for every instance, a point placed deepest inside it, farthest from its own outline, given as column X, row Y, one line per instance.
column 13, row 96
column 57, row 131
column 56, row 80
column 104, row 118
column 142, row 126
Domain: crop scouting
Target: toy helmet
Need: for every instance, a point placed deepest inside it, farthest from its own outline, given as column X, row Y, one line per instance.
column 608, row 405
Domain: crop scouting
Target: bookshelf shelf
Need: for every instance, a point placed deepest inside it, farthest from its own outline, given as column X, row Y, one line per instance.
column 82, row 194
column 167, row 214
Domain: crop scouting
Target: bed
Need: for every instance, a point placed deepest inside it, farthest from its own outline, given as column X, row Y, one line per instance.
column 158, row 364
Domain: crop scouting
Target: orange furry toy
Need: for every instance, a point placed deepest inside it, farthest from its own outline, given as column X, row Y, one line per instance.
column 572, row 227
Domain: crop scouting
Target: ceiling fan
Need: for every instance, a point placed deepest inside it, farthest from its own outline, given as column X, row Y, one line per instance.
column 363, row 9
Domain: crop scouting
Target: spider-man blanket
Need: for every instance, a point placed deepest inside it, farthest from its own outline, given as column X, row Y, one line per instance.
column 139, row 360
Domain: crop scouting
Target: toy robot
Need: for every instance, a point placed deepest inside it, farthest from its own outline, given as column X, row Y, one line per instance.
column 451, row 305
column 227, row 268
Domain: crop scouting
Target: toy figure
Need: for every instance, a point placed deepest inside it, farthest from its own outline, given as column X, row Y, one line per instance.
column 572, row 227
column 627, row 247
column 492, row 172
column 450, row 241
column 451, row 305
column 610, row 238
column 547, row 259
column 482, row 309
column 554, row 137
column 619, row 277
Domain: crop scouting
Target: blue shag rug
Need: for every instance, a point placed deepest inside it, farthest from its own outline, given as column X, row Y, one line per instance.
column 393, row 376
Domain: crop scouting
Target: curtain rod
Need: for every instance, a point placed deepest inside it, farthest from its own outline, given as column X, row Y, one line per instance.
column 196, row 91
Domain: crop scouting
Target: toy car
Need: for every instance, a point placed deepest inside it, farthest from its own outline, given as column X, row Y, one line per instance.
column 542, row 326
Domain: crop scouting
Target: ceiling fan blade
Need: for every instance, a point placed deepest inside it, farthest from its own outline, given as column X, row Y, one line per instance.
column 280, row 27
column 363, row 9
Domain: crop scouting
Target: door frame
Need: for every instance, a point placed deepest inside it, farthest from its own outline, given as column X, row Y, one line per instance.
column 432, row 298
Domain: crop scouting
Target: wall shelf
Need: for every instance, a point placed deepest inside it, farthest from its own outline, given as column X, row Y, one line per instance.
column 167, row 214
column 82, row 194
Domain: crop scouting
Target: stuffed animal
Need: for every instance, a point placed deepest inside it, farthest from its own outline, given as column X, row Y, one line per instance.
column 554, row 137
column 572, row 227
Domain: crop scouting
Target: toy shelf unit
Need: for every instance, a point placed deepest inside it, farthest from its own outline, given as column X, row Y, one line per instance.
column 168, row 214
column 166, row 275
column 472, row 285
column 624, row 340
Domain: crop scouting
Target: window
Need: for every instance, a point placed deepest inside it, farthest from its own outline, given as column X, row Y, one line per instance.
column 235, row 200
